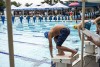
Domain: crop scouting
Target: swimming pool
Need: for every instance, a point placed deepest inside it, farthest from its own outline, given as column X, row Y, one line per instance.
column 30, row 45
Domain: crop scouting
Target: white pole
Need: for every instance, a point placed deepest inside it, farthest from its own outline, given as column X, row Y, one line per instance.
column 82, row 47
column 10, row 37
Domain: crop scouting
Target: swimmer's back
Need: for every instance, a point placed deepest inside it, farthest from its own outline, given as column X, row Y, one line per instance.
column 58, row 27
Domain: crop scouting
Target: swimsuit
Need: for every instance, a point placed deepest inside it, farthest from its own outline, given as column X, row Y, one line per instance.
column 64, row 32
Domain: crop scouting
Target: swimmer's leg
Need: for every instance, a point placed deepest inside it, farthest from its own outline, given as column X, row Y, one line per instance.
column 60, row 53
column 67, row 49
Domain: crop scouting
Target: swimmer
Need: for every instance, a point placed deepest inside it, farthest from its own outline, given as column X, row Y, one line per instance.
column 87, row 25
column 59, row 33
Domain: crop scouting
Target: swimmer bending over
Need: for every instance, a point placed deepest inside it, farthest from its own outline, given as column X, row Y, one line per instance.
column 87, row 25
column 60, row 33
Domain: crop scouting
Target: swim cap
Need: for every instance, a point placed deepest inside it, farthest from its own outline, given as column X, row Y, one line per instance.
column 75, row 26
column 46, row 34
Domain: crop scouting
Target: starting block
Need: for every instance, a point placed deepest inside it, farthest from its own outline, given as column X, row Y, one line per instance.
column 65, row 60
column 89, row 48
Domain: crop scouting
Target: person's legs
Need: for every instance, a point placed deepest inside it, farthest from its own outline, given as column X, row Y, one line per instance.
column 62, row 48
column 60, row 52
column 62, row 37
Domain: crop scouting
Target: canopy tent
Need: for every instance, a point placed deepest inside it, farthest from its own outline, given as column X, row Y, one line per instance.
column 13, row 7
column 22, row 7
column 32, row 7
column 45, row 5
column 59, row 6
column 39, row 7
column 42, row 6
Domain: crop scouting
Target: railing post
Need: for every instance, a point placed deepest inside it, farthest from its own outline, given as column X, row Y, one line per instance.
column 10, row 34
column 82, row 47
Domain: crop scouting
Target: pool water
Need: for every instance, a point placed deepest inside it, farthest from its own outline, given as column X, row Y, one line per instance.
column 30, row 46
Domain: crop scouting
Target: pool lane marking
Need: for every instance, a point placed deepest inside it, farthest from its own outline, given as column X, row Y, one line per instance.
column 26, row 58
column 31, row 43
column 22, row 34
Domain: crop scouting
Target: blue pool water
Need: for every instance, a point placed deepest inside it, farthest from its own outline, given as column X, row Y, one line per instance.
column 30, row 45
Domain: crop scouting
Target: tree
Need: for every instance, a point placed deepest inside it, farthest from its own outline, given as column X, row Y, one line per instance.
column 51, row 1
column 15, row 3
column 2, row 5
column 56, row 1
column 27, row 4
column 18, row 4
column 48, row 1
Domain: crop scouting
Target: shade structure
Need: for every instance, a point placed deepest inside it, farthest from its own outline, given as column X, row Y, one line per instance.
column 59, row 6
column 22, row 7
column 13, row 7
column 45, row 5
column 36, row 7
column 32, row 7
column 74, row 4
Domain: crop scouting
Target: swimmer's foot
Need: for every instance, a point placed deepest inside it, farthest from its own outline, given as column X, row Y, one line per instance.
column 73, row 54
column 60, row 54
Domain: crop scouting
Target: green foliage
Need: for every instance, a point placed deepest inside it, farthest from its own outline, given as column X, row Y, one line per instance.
column 56, row 1
column 18, row 4
column 15, row 3
column 2, row 3
column 27, row 4
column 50, row 1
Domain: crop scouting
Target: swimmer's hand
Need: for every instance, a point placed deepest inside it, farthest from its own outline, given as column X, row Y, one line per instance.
column 89, row 38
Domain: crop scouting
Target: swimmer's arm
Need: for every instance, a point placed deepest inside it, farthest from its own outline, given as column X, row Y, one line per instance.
column 96, row 20
column 79, row 33
column 50, row 45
